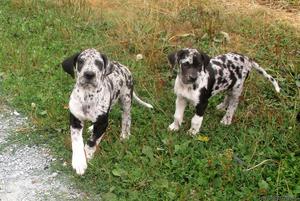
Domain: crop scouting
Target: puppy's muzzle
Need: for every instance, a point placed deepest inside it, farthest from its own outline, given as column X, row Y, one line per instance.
column 89, row 75
column 192, row 78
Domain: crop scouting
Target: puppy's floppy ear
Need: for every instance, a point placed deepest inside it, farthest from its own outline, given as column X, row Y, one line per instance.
column 109, row 68
column 201, row 60
column 174, row 57
column 205, row 59
column 69, row 63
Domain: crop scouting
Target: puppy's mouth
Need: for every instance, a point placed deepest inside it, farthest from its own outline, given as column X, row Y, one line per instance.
column 188, row 80
column 88, row 83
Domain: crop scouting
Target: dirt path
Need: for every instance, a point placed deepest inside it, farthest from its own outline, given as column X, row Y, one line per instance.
column 24, row 171
column 280, row 13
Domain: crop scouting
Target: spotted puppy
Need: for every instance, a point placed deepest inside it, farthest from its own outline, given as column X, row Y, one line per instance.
column 199, row 77
column 100, row 83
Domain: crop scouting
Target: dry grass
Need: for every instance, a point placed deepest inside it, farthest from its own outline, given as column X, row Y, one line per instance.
column 273, row 10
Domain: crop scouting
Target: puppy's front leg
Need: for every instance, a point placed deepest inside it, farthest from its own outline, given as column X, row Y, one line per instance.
column 98, row 129
column 78, row 156
column 198, row 117
column 179, row 111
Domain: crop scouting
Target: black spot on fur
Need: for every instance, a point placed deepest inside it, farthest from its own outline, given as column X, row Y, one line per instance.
column 216, row 63
column 272, row 79
column 219, row 80
column 99, row 128
column 203, row 102
column 242, row 59
column 238, row 72
column 235, row 58
column 74, row 122
column 233, row 80
column 229, row 62
column 217, row 87
column 223, row 58
column 220, row 72
column 205, row 93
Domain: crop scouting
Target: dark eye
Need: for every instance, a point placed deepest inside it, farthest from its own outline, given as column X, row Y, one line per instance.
column 80, row 61
column 99, row 64
column 79, row 64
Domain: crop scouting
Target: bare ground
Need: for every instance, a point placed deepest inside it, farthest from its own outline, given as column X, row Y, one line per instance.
column 24, row 171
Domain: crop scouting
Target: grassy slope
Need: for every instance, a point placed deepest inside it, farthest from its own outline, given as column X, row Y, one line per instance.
column 154, row 164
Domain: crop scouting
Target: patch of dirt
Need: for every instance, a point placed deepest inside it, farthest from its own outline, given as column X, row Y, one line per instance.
column 290, row 14
column 24, row 170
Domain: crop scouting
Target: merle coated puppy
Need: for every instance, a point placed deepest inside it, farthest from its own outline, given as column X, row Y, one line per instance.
column 100, row 83
column 200, row 77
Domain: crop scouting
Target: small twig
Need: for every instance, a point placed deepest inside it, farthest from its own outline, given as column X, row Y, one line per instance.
column 261, row 163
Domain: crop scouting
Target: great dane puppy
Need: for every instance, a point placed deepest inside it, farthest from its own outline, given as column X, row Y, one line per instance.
column 100, row 83
column 200, row 77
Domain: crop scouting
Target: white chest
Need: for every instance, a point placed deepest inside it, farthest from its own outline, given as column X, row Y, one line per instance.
column 87, row 105
column 187, row 91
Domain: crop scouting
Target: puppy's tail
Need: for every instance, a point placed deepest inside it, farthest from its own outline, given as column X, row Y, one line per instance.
column 261, row 71
column 141, row 102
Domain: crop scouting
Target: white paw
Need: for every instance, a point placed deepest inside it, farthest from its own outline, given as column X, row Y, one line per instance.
column 192, row 132
column 79, row 162
column 173, row 127
column 226, row 120
column 221, row 106
column 89, row 152
column 124, row 136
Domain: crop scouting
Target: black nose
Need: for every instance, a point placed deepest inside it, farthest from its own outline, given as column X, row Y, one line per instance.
column 192, row 78
column 89, row 75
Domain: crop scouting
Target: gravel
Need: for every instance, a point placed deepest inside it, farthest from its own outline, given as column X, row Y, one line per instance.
column 24, row 171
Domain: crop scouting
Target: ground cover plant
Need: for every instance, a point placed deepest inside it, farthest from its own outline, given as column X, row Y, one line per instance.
column 155, row 164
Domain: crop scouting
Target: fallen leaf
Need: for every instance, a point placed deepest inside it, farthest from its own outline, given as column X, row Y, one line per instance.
column 203, row 138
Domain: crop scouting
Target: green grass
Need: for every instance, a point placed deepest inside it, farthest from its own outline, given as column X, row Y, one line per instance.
column 155, row 164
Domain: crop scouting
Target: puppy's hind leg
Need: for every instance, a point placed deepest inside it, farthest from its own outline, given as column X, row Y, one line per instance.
column 125, row 101
column 224, row 104
column 98, row 130
column 233, row 101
